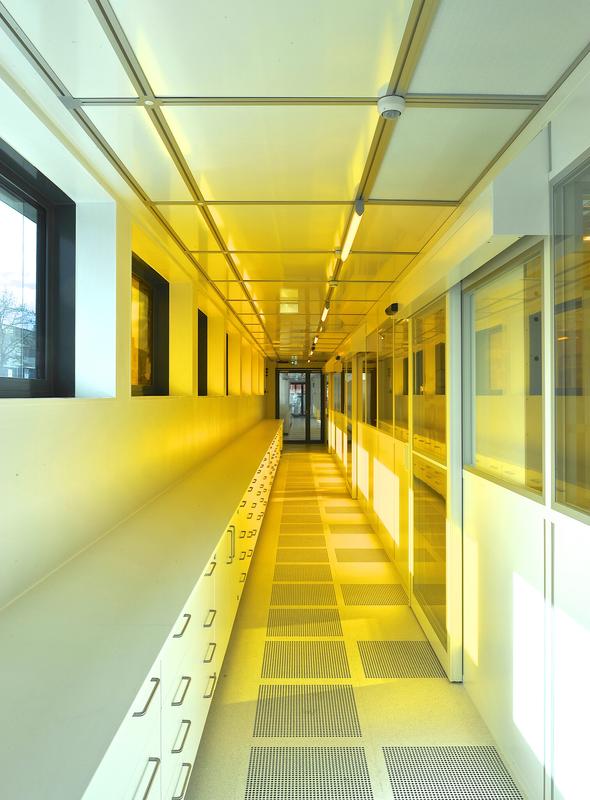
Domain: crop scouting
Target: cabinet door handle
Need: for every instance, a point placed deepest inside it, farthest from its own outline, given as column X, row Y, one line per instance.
column 209, row 622
column 250, row 515
column 209, row 691
column 242, row 504
column 231, row 532
column 187, row 619
column 254, row 504
column 250, row 552
column 185, row 782
column 242, row 577
column 155, row 768
column 210, row 652
column 143, row 712
column 213, row 564
column 179, row 702
column 242, row 555
column 242, row 534
column 186, row 722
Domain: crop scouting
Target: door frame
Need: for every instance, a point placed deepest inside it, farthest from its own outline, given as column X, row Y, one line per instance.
column 307, row 371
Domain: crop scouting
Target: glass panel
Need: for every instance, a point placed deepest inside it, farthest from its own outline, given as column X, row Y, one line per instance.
column 292, row 405
column 429, row 404
column 141, row 333
column 369, row 381
column 572, row 341
column 348, row 411
column 337, row 391
column 385, row 377
column 19, row 346
column 315, row 407
column 430, row 568
column 400, row 372
column 505, row 341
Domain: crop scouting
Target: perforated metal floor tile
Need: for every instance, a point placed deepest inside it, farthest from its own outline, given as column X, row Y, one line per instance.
column 303, row 594
column 399, row 659
column 448, row 773
column 303, row 622
column 360, row 554
column 374, row 594
column 302, row 572
column 305, row 660
column 352, row 509
column 300, row 527
column 300, row 518
column 342, row 528
column 308, row 773
column 302, row 540
column 309, row 555
column 306, row 711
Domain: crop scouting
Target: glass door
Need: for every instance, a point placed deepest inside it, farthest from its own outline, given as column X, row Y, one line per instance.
column 300, row 405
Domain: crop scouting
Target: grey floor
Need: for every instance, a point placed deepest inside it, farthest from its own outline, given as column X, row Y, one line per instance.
column 318, row 695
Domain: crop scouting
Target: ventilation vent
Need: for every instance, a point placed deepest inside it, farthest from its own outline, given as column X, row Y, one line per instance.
column 294, row 622
column 305, row 660
column 335, row 528
column 400, row 659
column 448, row 773
column 293, row 555
column 361, row 554
column 374, row 594
column 302, row 572
column 308, row 773
column 303, row 594
column 302, row 540
column 306, row 711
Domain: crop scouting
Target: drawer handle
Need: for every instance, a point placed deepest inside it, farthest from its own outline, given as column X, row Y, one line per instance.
column 187, row 619
column 242, row 577
column 242, row 555
column 156, row 767
column 143, row 712
column 186, row 722
column 185, row 783
column 209, row 622
column 242, row 534
column 254, row 504
column 250, row 488
column 212, row 570
column 250, row 552
column 210, row 653
column 250, row 515
column 186, row 678
column 209, row 691
column 242, row 504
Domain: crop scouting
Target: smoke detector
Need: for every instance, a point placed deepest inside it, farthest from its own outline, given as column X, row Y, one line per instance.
column 391, row 106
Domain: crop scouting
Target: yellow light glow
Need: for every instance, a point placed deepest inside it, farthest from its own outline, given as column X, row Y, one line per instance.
column 353, row 227
column 362, row 479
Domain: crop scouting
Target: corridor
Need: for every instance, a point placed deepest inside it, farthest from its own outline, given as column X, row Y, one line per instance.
column 329, row 688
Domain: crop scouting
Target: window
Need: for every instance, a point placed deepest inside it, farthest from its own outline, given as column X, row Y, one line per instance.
column 572, row 340
column 337, row 391
column 385, row 377
column 202, row 353
column 369, row 381
column 226, row 364
column 149, row 330
column 429, row 403
column 503, row 339
column 400, row 375
column 37, row 282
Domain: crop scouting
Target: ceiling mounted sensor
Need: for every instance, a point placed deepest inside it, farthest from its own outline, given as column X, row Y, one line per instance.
column 391, row 106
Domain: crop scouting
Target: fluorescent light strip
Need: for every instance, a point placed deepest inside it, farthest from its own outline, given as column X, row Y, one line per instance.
column 353, row 227
column 325, row 312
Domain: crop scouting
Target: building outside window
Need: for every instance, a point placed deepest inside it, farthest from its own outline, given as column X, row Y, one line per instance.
column 149, row 330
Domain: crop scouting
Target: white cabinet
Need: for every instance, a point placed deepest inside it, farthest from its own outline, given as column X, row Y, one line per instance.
column 153, row 752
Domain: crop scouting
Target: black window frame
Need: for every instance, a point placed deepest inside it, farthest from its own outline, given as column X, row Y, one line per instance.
column 56, row 279
column 202, row 353
column 160, row 294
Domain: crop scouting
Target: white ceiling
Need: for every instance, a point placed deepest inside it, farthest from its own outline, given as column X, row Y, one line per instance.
column 262, row 132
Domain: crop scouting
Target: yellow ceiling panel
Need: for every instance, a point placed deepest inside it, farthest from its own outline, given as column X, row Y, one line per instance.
column 399, row 228
column 338, row 307
column 128, row 130
column 359, row 291
column 275, row 153
column 188, row 223
column 438, row 153
column 70, row 38
column 288, row 293
column 286, row 266
column 264, row 48
column 215, row 266
column 231, row 290
column 373, row 266
column 281, row 227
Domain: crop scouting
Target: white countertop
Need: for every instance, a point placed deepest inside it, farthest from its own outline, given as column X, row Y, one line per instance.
column 76, row 648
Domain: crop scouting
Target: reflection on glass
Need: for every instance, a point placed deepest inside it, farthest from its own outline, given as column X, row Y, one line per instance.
column 572, row 341
column 18, row 288
column 141, row 333
column 429, row 403
column 348, row 411
column 430, row 566
column 385, row 377
column 293, row 404
column 504, row 340
column 400, row 372
column 337, row 391
column 315, row 406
